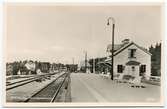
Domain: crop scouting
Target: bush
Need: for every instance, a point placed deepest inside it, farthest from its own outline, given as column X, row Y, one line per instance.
column 128, row 77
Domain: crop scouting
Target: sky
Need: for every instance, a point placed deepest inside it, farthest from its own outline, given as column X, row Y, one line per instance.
column 63, row 33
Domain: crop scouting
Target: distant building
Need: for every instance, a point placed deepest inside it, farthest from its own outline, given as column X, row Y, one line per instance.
column 31, row 67
column 129, row 59
column 38, row 71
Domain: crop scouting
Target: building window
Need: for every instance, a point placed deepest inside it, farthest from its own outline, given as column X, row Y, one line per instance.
column 132, row 53
column 120, row 68
column 133, row 68
column 142, row 69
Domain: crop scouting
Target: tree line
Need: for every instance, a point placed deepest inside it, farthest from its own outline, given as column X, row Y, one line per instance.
column 12, row 68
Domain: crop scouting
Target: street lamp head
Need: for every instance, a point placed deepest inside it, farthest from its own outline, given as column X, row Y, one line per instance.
column 108, row 23
column 110, row 18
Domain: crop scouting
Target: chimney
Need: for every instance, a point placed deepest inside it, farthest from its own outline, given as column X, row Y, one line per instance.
column 125, row 41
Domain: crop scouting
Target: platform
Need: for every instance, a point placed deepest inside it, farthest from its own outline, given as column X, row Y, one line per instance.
column 94, row 88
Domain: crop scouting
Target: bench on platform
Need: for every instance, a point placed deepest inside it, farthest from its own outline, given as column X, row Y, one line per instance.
column 106, row 75
column 103, row 75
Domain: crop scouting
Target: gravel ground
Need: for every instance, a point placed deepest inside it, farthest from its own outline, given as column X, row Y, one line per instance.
column 18, row 79
column 21, row 93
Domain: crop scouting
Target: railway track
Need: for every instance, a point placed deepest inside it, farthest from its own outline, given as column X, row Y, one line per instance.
column 51, row 91
column 13, row 85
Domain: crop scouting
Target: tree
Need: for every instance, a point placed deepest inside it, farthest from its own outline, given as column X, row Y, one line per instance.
column 155, row 59
column 72, row 67
column 15, row 68
column 97, row 66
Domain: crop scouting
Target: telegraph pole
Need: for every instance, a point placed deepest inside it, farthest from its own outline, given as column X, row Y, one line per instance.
column 73, row 61
column 85, row 61
column 94, row 65
column 112, row 51
column 72, row 64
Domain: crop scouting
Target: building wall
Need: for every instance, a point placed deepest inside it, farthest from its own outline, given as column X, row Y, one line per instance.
column 141, row 56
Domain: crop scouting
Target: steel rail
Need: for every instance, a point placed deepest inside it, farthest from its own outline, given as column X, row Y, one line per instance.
column 58, row 90
column 27, row 81
column 29, row 78
column 28, row 99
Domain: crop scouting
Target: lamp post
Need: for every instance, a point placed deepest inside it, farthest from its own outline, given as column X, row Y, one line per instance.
column 112, row 51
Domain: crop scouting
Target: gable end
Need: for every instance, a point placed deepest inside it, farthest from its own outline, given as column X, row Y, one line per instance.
column 119, row 51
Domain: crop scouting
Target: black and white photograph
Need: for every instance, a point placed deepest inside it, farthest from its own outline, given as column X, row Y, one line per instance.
column 86, row 55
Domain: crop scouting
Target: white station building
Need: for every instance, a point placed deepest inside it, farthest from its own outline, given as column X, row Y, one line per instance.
column 129, row 59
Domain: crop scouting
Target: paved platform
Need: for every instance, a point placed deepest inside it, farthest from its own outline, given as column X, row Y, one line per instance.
column 94, row 88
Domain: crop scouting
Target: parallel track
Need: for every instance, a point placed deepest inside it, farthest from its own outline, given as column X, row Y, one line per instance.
column 30, row 78
column 50, row 92
column 26, row 81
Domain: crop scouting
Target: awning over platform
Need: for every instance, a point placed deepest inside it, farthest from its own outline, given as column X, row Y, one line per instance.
column 133, row 63
column 106, row 62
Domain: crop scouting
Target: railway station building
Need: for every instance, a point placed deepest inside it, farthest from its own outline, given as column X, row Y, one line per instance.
column 129, row 59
